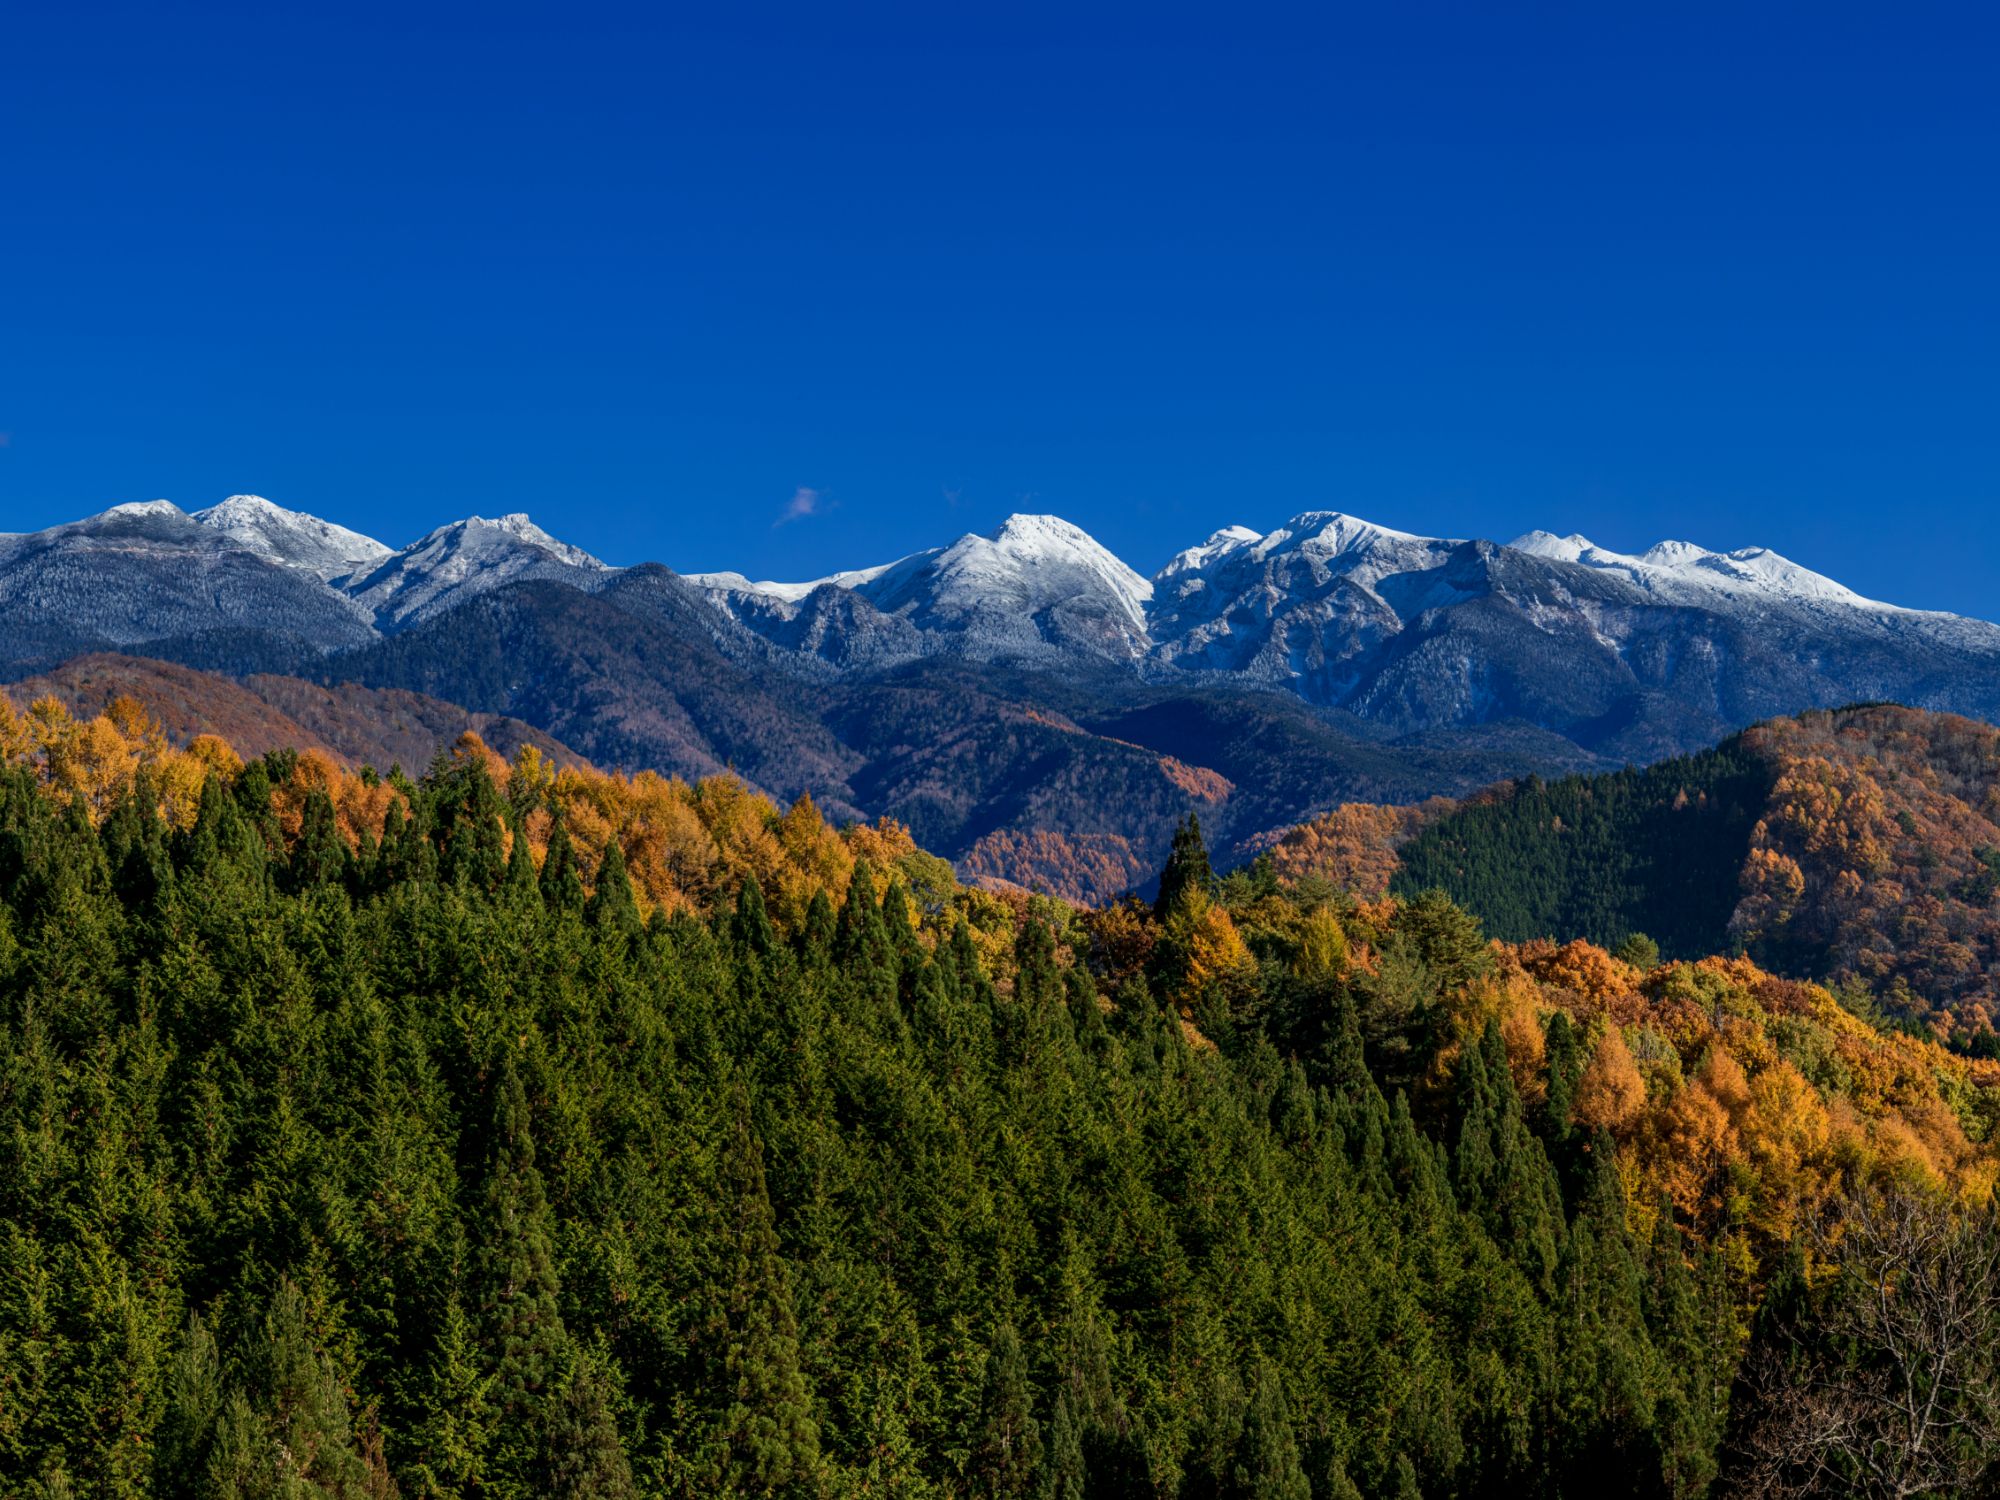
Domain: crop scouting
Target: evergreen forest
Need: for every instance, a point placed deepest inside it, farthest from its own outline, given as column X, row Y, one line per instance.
column 516, row 1130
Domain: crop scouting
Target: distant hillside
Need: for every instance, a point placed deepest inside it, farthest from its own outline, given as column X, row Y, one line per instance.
column 1041, row 712
column 1857, row 845
column 1656, row 851
column 357, row 725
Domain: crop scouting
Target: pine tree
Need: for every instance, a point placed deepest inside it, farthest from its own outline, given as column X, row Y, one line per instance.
column 612, row 907
column 562, row 886
column 453, row 1429
column 1065, row 1475
column 523, row 883
column 1186, row 868
column 588, row 1459
column 320, row 856
column 521, row 1323
column 1008, row 1459
column 767, row 1434
column 1267, row 1457
column 193, row 1414
column 820, row 930
column 287, row 1429
column 861, row 944
column 752, row 926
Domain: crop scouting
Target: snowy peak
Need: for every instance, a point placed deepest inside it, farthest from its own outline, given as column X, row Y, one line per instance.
column 1547, row 544
column 1032, row 584
column 1332, row 533
column 291, row 537
column 1219, row 544
column 463, row 558
column 140, row 508
column 1683, row 572
column 1037, row 557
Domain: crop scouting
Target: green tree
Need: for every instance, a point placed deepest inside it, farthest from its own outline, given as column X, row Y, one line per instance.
column 1186, row 868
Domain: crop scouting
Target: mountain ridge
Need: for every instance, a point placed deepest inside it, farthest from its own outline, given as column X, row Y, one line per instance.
column 1330, row 659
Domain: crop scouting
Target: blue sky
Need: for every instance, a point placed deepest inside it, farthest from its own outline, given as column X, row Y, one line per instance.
column 664, row 276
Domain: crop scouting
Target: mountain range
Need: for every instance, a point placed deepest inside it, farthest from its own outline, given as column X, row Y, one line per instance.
column 1028, row 702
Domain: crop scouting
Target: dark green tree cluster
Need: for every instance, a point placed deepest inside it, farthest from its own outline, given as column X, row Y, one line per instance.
column 411, row 1169
column 1655, row 851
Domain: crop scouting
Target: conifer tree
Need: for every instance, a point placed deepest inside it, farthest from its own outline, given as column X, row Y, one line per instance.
column 521, row 1322
column 453, row 1430
column 523, row 883
column 1267, row 1456
column 1066, row 1476
column 612, row 907
column 587, row 1458
column 320, row 856
column 862, row 942
column 1008, row 1459
column 193, row 1413
column 752, row 926
column 286, row 1429
column 820, row 930
column 1186, row 868
column 562, row 886
column 767, row 1434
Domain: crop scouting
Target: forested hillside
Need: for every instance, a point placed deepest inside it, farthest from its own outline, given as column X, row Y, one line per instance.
column 1657, row 850
column 1859, row 847
column 521, row 1132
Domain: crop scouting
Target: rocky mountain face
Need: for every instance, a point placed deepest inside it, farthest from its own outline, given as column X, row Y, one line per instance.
column 250, row 578
column 1038, row 589
column 1002, row 693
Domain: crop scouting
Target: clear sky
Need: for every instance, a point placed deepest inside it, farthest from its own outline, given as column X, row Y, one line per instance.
column 790, row 289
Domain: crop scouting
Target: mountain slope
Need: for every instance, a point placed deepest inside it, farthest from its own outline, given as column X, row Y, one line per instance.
column 1036, row 588
column 458, row 561
column 356, row 725
column 1857, row 845
column 626, row 689
column 146, row 573
column 291, row 538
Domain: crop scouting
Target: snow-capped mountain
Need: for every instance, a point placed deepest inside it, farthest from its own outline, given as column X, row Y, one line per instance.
column 1035, row 587
column 1636, row 654
column 1628, row 655
column 146, row 571
column 1685, row 573
column 462, row 559
column 1282, row 606
column 247, row 582
column 291, row 538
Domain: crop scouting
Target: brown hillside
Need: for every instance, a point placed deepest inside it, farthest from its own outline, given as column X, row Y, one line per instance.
column 1878, row 857
column 356, row 725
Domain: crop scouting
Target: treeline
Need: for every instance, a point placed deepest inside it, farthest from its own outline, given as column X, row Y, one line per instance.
column 430, row 1158
column 1656, row 851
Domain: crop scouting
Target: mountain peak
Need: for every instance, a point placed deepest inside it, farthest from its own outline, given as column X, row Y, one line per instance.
column 1220, row 543
column 1686, row 571
column 292, row 537
column 1569, row 548
column 480, row 531
column 141, row 508
column 463, row 558
column 1334, row 531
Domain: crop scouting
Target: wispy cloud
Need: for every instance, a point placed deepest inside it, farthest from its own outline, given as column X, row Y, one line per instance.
column 805, row 501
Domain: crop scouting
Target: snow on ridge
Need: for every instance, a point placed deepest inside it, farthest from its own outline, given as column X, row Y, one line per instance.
column 292, row 537
column 140, row 508
column 788, row 593
column 475, row 535
column 1674, row 568
column 1219, row 544
column 1026, row 556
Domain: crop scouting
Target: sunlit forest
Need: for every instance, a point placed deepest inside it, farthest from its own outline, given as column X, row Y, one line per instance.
column 511, row 1128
